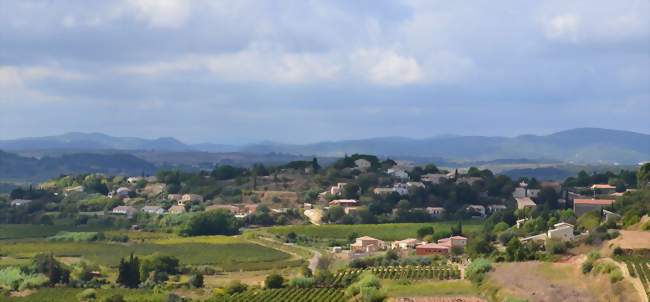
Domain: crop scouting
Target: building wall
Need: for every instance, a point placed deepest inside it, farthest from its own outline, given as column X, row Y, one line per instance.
column 581, row 209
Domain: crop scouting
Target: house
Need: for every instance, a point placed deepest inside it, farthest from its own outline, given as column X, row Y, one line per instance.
column 134, row 179
column 344, row 202
column 454, row 241
column 431, row 249
column 525, row 202
column 582, row 206
column 177, row 209
column 336, row 249
column 433, row 178
column 409, row 243
column 122, row 192
column 398, row 173
column 603, row 189
column 468, row 180
column 175, row 197
column 521, row 222
column 414, row 184
column 153, row 210
column 609, row 215
column 362, row 164
column 307, row 206
column 231, row 208
column 20, row 202
column 190, row 198
column 562, row 231
column 125, row 210
column 382, row 191
column 367, row 244
column 336, row 190
column 435, row 211
column 476, row 209
column 493, row 208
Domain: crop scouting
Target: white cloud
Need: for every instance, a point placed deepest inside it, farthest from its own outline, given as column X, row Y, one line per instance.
column 14, row 82
column 161, row 13
column 387, row 67
column 563, row 27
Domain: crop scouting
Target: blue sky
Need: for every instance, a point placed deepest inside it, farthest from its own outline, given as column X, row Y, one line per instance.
column 304, row 71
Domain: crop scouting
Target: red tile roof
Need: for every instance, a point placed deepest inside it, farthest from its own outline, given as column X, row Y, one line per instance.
column 601, row 202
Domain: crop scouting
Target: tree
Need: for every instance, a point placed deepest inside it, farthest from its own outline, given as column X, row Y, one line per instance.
column 457, row 230
column 425, row 230
column 315, row 165
column 643, row 175
column 158, row 263
column 274, row 280
column 196, row 281
column 219, row 222
column 129, row 272
column 235, row 287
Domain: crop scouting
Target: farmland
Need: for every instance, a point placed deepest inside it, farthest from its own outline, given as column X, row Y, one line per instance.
column 639, row 267
column 286, row 294
column 227, row 253
column 389, row 231
column 430, row 288
column 70, row 294
column 407, row 273
column 17, row 231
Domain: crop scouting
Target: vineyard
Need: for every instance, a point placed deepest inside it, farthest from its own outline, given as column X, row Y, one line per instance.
column 639, row 268
column 432, row 272
column 285, row 295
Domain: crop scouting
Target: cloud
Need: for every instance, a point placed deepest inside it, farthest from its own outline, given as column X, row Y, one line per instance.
column 563, row 27
column 161, row 13
column 387, row 67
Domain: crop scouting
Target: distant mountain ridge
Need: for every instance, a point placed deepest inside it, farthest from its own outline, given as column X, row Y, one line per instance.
column 581, row 145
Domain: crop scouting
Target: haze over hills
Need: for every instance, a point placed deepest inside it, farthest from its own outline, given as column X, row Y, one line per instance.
column 581, row 145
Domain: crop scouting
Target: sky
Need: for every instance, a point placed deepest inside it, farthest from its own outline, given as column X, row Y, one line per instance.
column 305, row 71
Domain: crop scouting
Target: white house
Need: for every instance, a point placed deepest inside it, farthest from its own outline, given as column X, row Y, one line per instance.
column 125, row 210
column 415, row 184
column 177, row 209
column 189, row 198
column 344, row 202
column 336, row 190
column 409, row 243
column 153, row 210
column 122, row 192
column 493, row 208
column 525, row 202
column 401, row 189
column 367, row 244
column 134, row 179
column 562, row 231
column 475, row 208
column 401, row 174
column 433, row 178
column 435, row 211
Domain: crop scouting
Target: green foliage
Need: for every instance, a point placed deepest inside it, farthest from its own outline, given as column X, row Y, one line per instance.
column 476, row 270
column 196, row 281
column 302, row 282
column 236, row 286
column 158, row 263
column 219, row 222
column 425, row 230
column 129, row 272
column 643, row 175
column 15, row 279
column 87, row 295
column 274, row 280
column 76, row 236
column 367, row 288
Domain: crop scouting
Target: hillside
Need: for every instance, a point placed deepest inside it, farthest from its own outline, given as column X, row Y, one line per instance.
column 15, row 167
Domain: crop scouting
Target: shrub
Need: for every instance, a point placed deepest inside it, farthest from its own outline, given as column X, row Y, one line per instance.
column 196, row 281
column 615, row 276
column 587, row 266
column 274, row 281
column 87, row 295
column 477, row 269
column 304, row 282
column 115, row 298
column 235, row 286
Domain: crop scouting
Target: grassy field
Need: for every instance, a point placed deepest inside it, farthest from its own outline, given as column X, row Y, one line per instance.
column 429, row 288
column 18, row 231
column 70, row 295
column 390, row 231
column 228, row 253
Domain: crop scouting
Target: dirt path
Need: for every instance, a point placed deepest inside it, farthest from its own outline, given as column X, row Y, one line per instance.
column 634, row 281
column 313, row 262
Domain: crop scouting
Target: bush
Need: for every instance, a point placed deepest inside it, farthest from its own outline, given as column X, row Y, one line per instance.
column 87, row 295
column 304, row 282
column 476, row 270
column 235, row 287
column 615, row 276
column 115, row 298
column 587, row 266
column 196, row 281
column 274, row 281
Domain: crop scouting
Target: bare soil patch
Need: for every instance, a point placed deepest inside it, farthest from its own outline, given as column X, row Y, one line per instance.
column 550, row 282
column 633, row 240
column 440, row 299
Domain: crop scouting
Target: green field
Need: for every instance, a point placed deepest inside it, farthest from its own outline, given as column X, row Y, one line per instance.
column 228, row 253
column 19, row 231
column 70, row 295
column 430, row 288
column 286, row 295
column 389, row 231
